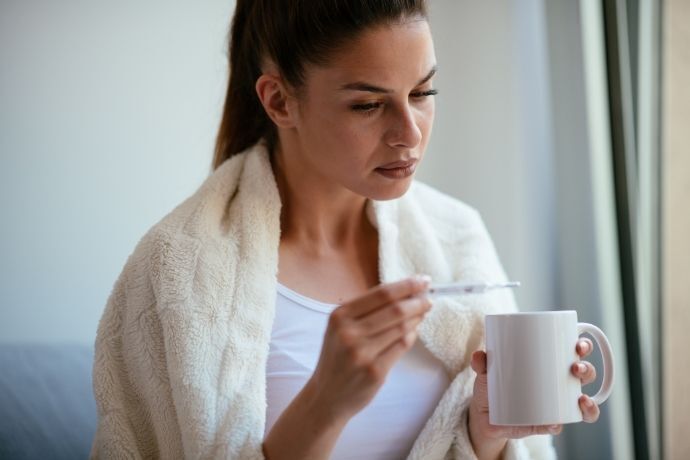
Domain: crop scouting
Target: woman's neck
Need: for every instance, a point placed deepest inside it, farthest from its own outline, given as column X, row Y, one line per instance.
column 316, row 215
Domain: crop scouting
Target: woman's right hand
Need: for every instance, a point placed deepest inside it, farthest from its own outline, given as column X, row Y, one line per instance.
column 363, row 340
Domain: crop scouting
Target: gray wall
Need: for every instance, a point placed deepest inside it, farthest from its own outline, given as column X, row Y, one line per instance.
column 491, row 145
column 107, row 117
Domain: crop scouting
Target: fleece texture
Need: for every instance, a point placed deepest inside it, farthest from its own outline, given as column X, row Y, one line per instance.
column 181, row 349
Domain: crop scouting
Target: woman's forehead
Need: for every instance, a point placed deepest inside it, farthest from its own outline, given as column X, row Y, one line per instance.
column 393, row 54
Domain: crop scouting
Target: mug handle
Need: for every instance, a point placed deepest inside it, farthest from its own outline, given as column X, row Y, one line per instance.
column 607, row 355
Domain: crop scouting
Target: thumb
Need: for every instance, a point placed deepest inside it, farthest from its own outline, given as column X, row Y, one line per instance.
column 478, row 362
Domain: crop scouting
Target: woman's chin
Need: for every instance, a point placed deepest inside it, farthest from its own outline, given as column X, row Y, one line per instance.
column 392, row 190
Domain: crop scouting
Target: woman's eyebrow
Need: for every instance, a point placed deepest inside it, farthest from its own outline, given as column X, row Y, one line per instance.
column 363, row 86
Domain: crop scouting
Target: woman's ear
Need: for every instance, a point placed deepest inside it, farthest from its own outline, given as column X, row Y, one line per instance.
column 275, row 98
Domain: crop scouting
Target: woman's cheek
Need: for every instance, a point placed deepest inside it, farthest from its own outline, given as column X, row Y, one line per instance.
column 360, row 133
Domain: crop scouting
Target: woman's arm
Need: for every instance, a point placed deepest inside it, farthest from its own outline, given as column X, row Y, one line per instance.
column 304, row 430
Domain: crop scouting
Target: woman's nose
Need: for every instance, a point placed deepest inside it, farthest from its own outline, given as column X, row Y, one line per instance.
column 404, row 130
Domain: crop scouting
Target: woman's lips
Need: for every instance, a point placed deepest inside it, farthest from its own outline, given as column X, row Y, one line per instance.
column 398, row 169
column 399, row 164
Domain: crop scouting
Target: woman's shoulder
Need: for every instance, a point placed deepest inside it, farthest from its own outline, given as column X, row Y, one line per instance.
column 163, row 243
column 174, row 238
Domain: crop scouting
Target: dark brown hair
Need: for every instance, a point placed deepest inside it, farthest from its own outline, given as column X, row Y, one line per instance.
column 290, row 33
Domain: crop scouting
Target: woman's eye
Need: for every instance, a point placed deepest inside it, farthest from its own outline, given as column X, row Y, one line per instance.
column 370, row 108
column 422, row 94
column 366, row 108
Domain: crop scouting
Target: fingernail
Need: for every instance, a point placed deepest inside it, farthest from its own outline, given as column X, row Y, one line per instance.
column 424, row 280
column 589, row 403
column 584, row 346
column 553, row 429
column 581, row 368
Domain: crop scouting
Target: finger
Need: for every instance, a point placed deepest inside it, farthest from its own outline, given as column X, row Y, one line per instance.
column 549, row 429
column 517, row 432
column 366, row 352
column 585, row 371
column 386, row 293
column 379, row 343
column 392, row 354
column 590, row 410
column 555, row 429
column 478, row 362
column 393, row 314
column 584, row 347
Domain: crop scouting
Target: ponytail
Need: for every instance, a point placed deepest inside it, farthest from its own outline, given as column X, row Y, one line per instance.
column 244, row 120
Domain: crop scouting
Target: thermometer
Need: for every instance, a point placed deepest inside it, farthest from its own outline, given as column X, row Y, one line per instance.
column 438, row 290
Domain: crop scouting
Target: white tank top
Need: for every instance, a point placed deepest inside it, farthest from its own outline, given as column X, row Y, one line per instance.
column 389, row 425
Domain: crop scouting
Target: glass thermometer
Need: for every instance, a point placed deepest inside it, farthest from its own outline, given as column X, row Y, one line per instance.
column 438, row 290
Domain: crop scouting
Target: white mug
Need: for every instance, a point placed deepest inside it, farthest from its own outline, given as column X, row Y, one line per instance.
column 529, row 361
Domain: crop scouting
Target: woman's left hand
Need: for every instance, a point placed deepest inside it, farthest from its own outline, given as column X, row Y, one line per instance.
column 586, row 372
column 489, row 440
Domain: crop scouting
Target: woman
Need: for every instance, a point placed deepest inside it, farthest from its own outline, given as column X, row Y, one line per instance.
column 275, row 312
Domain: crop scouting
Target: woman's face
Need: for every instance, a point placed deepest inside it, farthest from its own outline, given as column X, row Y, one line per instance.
column 369, row 108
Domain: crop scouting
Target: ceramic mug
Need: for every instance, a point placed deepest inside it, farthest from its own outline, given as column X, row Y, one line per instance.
column 529, row 360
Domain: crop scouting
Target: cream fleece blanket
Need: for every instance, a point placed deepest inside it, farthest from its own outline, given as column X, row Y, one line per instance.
column 180, row 364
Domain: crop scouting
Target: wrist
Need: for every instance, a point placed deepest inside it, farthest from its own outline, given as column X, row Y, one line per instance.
column 321, row 410
column 485, row 446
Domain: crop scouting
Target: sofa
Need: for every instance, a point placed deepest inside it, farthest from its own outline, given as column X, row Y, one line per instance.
column 47, row 408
